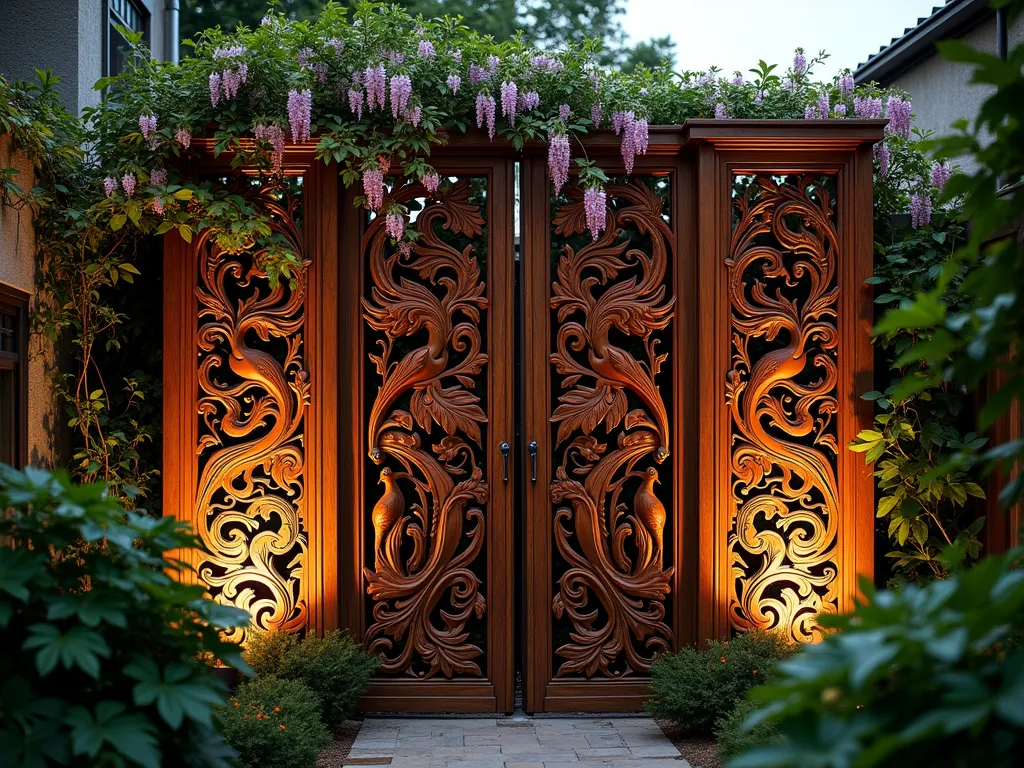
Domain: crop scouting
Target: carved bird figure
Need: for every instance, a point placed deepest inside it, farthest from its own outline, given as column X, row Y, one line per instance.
column 386, row 512
column 649, row 508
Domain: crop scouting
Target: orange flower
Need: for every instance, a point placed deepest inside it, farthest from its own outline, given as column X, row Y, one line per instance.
column 236, row 704
column 281, row 726
column 277, row 709
column 723, row 659
column 755, row 671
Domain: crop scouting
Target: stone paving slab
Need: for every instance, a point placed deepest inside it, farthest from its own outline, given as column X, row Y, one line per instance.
column 487, row 742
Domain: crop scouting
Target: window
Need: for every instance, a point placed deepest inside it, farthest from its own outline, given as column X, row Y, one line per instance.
column 131, row 14
column 13, row 376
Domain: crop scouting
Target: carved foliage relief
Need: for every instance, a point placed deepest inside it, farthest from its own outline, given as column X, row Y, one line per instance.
column 611, row 315
column 781, row 394
column 426, row 312
column 253, row 389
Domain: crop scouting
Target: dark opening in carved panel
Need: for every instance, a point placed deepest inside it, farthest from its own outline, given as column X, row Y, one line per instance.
column 782, row 398
column 253, row 392
column 612, row 313
column 426, row 315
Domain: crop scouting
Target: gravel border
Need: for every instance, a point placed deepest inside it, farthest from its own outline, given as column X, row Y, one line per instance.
column 335, row 753
column 699, row 752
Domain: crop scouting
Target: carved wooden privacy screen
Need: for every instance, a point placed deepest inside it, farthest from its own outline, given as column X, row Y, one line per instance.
column 348, row 450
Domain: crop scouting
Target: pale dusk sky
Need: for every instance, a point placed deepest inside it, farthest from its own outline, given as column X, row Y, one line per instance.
column 734, row 34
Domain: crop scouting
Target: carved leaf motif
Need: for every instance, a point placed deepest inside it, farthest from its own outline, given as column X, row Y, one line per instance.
column 453, row 408
column 585, row 407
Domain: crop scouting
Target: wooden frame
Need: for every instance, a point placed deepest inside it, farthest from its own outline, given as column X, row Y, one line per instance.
column 15, row 302
column 700, row 156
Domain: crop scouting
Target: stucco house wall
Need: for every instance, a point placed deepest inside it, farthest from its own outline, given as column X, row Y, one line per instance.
column 66, row 36
column 18, row 269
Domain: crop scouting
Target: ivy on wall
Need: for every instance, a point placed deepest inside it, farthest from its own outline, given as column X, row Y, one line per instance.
column 375, row 90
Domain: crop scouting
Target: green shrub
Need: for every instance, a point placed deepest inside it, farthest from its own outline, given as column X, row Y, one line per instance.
column 274, row 723
column 928, row 675
column 334, row 667
column 732, row 738
column 697, row 687
column 101, row 651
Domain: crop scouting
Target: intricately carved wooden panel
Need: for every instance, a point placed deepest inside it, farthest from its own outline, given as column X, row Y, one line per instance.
column 782, row 399
column 426, row 430
column 611, row 323
column 253, row 390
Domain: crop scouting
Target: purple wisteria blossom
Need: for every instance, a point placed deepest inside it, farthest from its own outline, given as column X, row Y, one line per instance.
column 395, row 57
column 867, row 108
column 540, row 62
column 273, row 135
column 759, row 97
column 431, row 182
column 321, row 69
column 940, row 174
column 373, row 188
column 300, row 113
column 414, row 116
column 425, row 50
column 596, row 114
column 158, row 177
column 721, row 113
column 456, row 54
column 485, row 109
column 810, row 113
column 454, row 83
column 355, row 102
column 395, row 223
column 596, row 211
column 147, row 125
column 110, row 186
column 229, row 83
column 563, row 112
column 558, row 160
column 839, row 110
column 529, row 100
column 128, row 182
column 493, row 62
column 183, row 136
column 737, row 79
column 477, row 75
column 401, row 90
column 214, row 88
column 920, row 210
column 303, row 57
column 846, row 84
column 707, row 78
column 509, row 101
column 799, row 62
column 824, row 107
column 338, row 45
column 882, row 154
column 229, row 53
column 375, row 81
column 898, row 112
column 620, row 120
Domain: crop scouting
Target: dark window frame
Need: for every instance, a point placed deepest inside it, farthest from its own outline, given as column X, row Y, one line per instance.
column 111, row 17
column 14, row 301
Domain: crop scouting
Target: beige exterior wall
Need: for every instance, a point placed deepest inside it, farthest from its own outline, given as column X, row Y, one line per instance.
column 18, row 269
column 941, row 91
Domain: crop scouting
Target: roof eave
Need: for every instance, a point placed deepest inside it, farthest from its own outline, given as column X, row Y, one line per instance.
column 952, row 20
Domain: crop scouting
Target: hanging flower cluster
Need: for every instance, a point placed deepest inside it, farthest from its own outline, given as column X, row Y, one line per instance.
column 381, row 86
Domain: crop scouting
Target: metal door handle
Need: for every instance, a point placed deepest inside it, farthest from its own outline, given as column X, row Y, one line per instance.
column 505, row 448
column 532, row 448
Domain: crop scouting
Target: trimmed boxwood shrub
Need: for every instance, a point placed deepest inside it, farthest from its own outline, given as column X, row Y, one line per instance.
column 274, row 723
column 697, row 687
column 335, row 667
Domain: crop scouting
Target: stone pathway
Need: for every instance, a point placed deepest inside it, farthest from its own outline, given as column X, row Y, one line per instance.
column 564, row 742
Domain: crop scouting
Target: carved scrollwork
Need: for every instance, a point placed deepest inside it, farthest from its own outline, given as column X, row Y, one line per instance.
column 610, row 301
column 254, row 389
column 429, row 522
column 781, row 393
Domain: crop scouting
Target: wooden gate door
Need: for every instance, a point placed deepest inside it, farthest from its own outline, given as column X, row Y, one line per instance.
column 602, row 400
column 429, row 334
